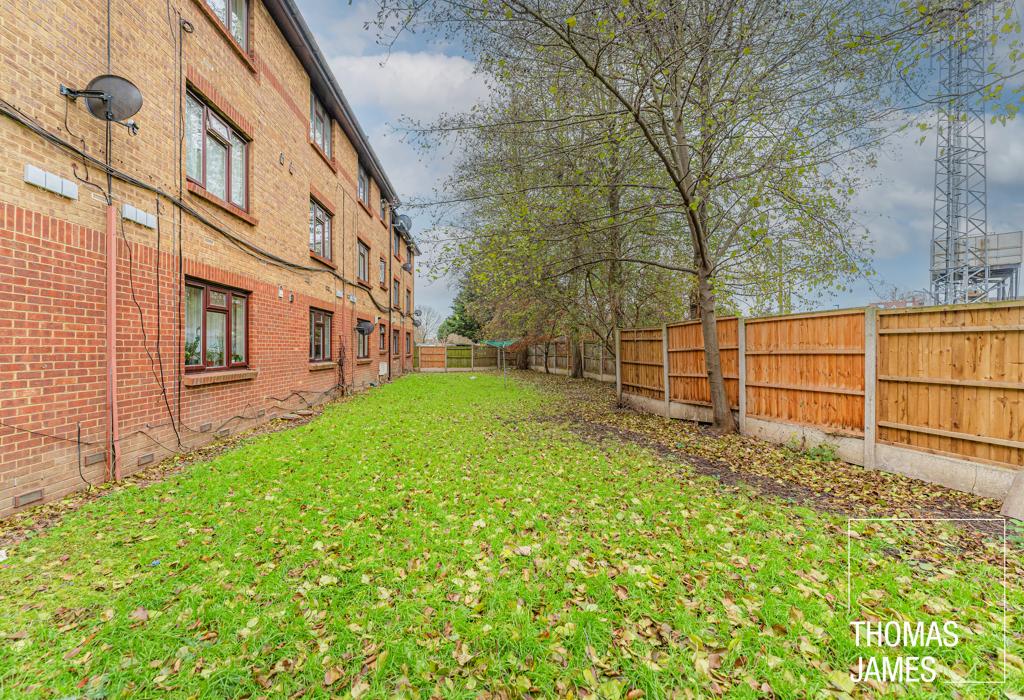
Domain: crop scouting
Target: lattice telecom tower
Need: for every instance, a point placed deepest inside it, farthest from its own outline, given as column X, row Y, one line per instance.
column 967, row 263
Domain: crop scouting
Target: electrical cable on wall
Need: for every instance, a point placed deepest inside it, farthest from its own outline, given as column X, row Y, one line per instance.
column 181, row 208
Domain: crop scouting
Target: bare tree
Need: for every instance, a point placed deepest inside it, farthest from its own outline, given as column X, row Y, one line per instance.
column 430, row 319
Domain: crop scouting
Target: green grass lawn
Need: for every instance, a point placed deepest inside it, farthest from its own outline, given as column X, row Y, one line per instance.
column 435, row 538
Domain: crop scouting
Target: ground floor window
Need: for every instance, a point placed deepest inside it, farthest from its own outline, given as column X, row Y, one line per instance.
column 382, row 338
column 394, row 343
column 362, row 345
column 408, row 343
column 319, row 335
column 216, row 327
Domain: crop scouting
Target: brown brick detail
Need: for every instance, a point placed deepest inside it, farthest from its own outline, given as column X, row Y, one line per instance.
column 219, row 102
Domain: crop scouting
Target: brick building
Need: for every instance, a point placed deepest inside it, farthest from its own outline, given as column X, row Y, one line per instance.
column 245, row 233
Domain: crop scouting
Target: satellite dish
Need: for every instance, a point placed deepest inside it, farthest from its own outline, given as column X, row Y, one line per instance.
column 407, row 267
column 364, row 328
column 123, row 100
column 406, row 222
column 418, row 312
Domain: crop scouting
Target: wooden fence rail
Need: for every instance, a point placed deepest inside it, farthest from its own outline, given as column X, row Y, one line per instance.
column 936, row 392
column 455, row 358
column 556, row 357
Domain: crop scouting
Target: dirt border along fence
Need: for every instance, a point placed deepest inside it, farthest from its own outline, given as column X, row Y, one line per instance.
column 936, row 393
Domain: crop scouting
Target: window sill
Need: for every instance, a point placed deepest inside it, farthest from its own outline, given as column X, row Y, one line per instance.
column 220, row 376
column 246, row 57
column 319, row 366
column 365, row 284
column 201, row 192
column 323, row 260
column 324, row 157
column 366, row 208
column 364, row 361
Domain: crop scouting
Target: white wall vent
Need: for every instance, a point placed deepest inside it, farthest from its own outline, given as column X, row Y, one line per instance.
column 139, row 216
column 50, row 182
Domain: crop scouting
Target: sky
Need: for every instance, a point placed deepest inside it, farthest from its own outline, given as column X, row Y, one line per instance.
column 420, row 78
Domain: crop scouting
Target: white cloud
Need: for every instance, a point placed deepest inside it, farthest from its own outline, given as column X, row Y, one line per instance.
column 419, row 85
column 1005, row 153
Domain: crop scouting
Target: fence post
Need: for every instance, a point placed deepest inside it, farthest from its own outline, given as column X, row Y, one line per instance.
column 618, row 365
column 741, row 343
column 870, row 383
column 472, row 358
column 664, row 370
column 600, row 372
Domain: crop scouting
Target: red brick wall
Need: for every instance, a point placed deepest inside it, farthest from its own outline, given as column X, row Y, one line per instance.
column 52, row 257
column 53, row 371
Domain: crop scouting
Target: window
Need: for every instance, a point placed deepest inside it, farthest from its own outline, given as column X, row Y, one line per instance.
column 234, row 15
column 216, row 327
column 396, row 245
column 383, row 273
column 408, row 343
column 363, row 263
column 394, row 343
column 319, row 230
column 408, row 301
column 216, row 156
column 319, row 335
column 363, row 188
column 383, row 209
column 319, row 126
column 396, row 295
column 362, row 345
column 382, row 342
column 408, row 254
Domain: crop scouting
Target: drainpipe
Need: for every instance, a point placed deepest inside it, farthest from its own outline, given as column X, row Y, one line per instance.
column 391, row 287
column 114, row 464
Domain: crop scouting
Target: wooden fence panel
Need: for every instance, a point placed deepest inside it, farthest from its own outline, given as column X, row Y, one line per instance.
column 592, row 356
column 807, row 369
column 642, row 369
column 459, row 356
column 431, row 356
column 485, row 356
column 687, row 371
column 951, row 381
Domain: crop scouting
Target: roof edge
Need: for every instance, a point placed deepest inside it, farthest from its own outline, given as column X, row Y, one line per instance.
column 297, row 33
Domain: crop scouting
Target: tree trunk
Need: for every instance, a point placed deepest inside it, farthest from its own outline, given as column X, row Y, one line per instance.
column 723, row 418
column 577, row 357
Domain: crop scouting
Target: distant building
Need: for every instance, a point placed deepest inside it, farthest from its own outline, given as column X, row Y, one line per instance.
column 908, row 301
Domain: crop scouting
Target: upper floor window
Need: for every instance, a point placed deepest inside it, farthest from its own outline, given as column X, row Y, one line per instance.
column 408, row 301
column 234, row 14
column 319, row 230
column 396, row 295
column 363, row 186
column 319, row 125
column 216, row 327
column 382, row 339
column 394, row 342
column 319, row 335
column 363, row 262
column 383, row 281
column 383, row 209
column 396, row 245
column 408, row 253
column 216, row 156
